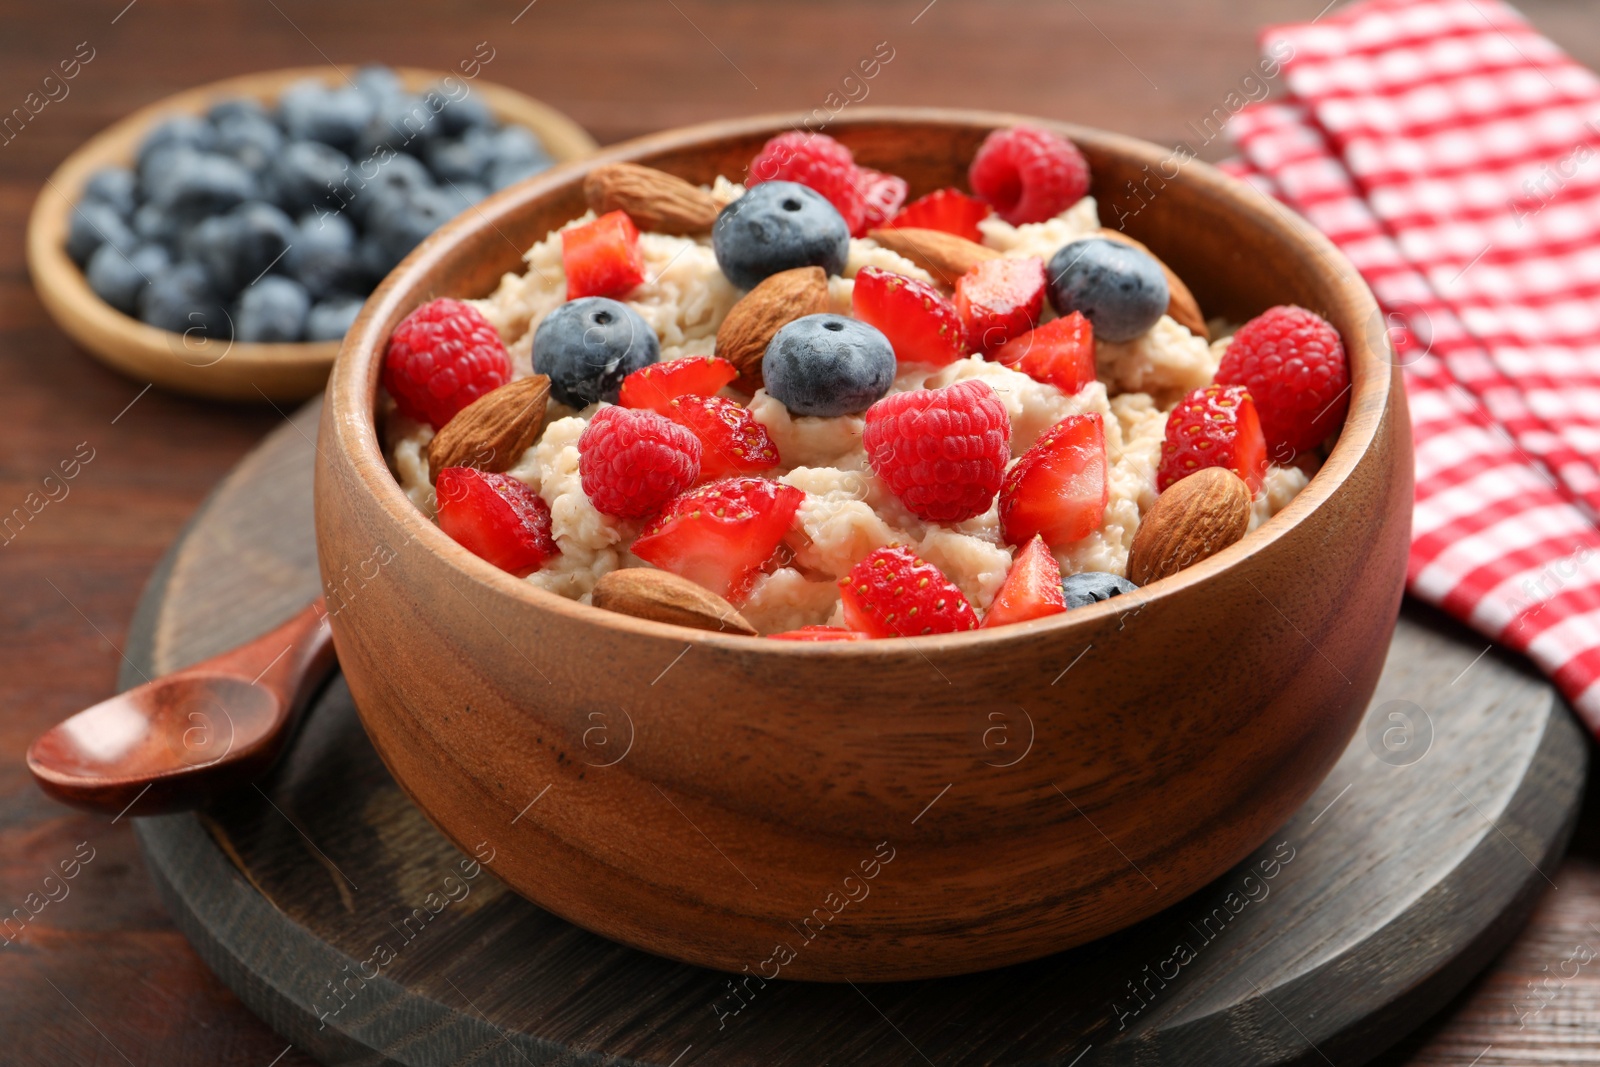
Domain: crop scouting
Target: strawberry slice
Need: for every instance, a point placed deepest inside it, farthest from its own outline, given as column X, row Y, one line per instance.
column 1000, row 299
column 495, row 517
column 818, row 633
column 602, row 257
column 721, row 534
column 919, row 322
column 1058, row 488
column 949, row 210
column 1214, row 426
column 653, row 387
column 1059, row 353
column 884, row 193
column 893, row 592
column 1032, row 588
column 731, row 440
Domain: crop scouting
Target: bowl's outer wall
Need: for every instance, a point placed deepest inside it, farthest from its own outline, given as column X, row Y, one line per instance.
column 752, row 789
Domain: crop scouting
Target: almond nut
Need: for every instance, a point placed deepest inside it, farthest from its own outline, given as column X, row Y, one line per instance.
column 943, row 255
column 1196, row 518
column 781, row 298
column 654, row 200
column 1183, row 308
column 492, row 432
column 662, row 596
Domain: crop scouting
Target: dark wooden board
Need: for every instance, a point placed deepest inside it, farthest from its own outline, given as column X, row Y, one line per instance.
column 1417, row 859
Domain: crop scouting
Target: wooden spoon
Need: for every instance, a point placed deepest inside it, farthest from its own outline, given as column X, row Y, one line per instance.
column 172, row 743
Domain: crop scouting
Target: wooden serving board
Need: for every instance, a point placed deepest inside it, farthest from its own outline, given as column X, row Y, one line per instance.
column 336, row 911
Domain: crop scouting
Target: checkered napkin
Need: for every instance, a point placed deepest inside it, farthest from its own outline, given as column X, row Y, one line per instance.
column 1453, row 154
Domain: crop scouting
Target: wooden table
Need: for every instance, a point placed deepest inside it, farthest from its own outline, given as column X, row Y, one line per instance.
column 99, row 976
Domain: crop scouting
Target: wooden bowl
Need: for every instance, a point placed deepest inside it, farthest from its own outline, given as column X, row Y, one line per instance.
column 893, row 809
column 219, row 369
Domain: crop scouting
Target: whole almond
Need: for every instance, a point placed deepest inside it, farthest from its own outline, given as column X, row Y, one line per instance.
column 1196, row 518
column 492, row 432
column 943, row 255
column 1181, row 304
column 654, row 200
column 665, row 597
column 781, row 298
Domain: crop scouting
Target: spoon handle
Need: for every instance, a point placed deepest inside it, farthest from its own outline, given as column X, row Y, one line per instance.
column 292, row 660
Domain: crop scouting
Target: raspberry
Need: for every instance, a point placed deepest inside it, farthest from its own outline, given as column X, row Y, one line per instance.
column 943, row 452
column 1213, row 427
column 731, row 440
column 891, row 592
column 1028, row 174
column 1293, row 363
column 632, row 462
column 816, row 160
column 442, row 357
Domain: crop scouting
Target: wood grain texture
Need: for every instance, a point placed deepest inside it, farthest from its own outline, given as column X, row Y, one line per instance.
column 325, row 898
column 110, row 949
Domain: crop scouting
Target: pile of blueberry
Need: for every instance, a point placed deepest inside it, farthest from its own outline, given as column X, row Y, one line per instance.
column 272, row 225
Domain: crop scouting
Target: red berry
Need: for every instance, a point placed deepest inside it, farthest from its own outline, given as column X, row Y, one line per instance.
column 816, row 160
column 1293, row 363
column 949, row 210
column 721, row 534
column 442, row 357
column 731, row 440
column 893, row 593
column 1032, row 588
column 1213, row 427
column 919, row 322
column 602, row 257
column 632, row 462
column 495, row 517
column 1059, row 353
column 1028, row 174
column 653, row 387
column 1000, row 299
column 1058, row 488
column 943, row 452
column 818, row 633
column 882, row 194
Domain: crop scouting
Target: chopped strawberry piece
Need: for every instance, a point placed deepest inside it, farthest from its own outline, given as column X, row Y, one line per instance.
column 1059, row 353
column 495, row 517
column 949, row 210
column 731, row 440
column 1032, row 588
column 892, row 592
column 1000, row 299
column 1058, row 488
column 919, row 322
column 653, row 387
column 883, row 194
column 818, row 633
column 602, row 257
column 721, row 534
column 1216, row 426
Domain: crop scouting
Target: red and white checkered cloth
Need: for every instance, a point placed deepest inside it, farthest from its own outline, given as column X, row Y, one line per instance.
column 1453, row 154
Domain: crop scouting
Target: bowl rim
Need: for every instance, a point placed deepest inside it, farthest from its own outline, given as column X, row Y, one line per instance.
column 351, row 399
column 63, row 286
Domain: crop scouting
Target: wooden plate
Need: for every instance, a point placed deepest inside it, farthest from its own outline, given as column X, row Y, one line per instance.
column 1412, row 865
column 221, row 370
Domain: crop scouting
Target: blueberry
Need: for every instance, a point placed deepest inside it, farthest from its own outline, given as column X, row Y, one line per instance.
column 331, row 319
column 1091, row 587
column 310, row 111
column 514, row 154
column 777, row 226
column 374, row 259
column 379, row 177
column 180, row 131
column 827, row 364
column 400, row 221
column 504, row 173
column 464, row 158
column 465, row 194
column 464, row 113
column 322, row 256
column 253, row 140
column 182, row 300
column 239, row 247
column 378, row 83
column 119, row 279
column 201, row 183
column 404, row 123
column 151, row 222
column 308, row 174
column 239, row 107
column 114, row 186
column 1119, row 289
column 587, row 346
column 272, row 310
column 93, row 224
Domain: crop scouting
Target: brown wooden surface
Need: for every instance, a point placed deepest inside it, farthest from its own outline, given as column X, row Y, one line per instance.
column 102, row 977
